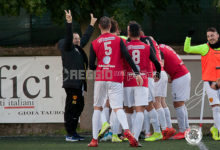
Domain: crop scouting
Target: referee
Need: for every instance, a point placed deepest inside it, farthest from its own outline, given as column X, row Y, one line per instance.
column 75, row 63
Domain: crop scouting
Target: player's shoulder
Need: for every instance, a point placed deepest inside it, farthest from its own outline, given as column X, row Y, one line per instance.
column 144, row 44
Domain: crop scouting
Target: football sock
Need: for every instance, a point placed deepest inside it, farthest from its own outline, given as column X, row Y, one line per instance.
column 146, row 122
column 154, row 120
column 216, row 116
column 138, row 123
column 180, row 113
column 122, row 118
column 168, row 118
column 96, row 123
column 162, row 118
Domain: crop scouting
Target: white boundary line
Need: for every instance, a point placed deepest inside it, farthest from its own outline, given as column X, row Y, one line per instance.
column 202, row 146
column 195, row 121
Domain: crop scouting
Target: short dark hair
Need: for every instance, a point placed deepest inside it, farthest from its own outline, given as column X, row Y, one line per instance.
column 114, row 26
column 212, row 29
column 105, row 22
column 134, row 29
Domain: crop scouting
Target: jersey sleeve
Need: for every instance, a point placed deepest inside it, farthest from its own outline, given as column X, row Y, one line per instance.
column 199, row 49
column 92, row 59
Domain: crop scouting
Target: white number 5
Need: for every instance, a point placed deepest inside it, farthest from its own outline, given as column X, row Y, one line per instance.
column 108, row 49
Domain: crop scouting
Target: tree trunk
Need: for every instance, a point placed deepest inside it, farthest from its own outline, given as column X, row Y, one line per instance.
column 86, row 117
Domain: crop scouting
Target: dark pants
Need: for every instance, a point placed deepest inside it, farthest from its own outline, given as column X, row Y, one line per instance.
column 73, row 109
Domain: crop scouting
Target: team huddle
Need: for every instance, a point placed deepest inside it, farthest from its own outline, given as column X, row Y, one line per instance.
column 140, row 87
column 131, row 79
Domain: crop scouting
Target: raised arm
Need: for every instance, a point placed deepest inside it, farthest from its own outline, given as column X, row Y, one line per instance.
column 199, row 49
column 68, row 42
column 92, row 58
column 88, row 33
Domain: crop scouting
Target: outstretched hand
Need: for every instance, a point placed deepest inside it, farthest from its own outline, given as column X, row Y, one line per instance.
column 68, row 16
column 93, row 20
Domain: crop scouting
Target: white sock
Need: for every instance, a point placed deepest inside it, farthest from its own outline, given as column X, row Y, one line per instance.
column 162, row 118
column 138, row 123
column 106, row 111
column 103, row 117
column 133, row 116
column 122, row 118
column 168, row 117
column 115, row 123
column 146, row 122
column 186, row 117
column 154, row 120
column 119, row 129
column 129, row 119
column 96, row 123
column 180, row 114
column 216, row 116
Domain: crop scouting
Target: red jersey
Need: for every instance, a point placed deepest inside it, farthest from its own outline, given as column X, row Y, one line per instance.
column 157, row 53
column 173, row 64
column 109, row 59
column 140, row 54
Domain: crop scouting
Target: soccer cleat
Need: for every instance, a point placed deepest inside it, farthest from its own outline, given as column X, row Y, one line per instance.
column 107, row 137
column 71, row 139
column 215, row 133
column 169, row 132
column 123, row 138
column 115, row 138
column 156, row 136
column 133, row 142
column 105, row 128
column 165, row 133
column 80, row 138
column 93, row 143
column 179, row 136
column 148, row 135
column 172, row 131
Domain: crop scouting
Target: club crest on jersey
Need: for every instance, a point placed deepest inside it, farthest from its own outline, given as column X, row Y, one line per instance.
column 211, row 100
column 106, row 60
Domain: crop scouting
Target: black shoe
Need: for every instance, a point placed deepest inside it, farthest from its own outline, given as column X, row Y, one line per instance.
column 80, row 138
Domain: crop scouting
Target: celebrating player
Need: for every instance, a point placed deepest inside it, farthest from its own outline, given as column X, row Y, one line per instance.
column 109, row 50
column 181, row 80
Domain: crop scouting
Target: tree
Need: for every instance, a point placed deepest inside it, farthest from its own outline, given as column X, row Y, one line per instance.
column 123, row 10
column 216, row 4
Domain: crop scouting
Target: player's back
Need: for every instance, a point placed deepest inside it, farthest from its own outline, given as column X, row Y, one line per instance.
column 140, row 53
column 157, row 50
column 173, row 64
column 109, row 58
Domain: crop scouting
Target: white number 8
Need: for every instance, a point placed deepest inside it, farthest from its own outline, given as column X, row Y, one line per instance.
column 136, row 56
column 108, row 49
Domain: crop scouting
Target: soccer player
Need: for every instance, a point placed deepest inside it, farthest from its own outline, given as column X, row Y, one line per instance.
column 151, row 114
column 115, row 125
column 135, row 96
column 181, row 80
column 210, row 61
column 160, row 88
column 110, row 51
